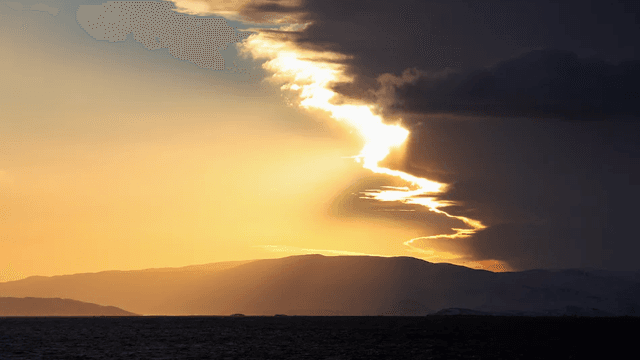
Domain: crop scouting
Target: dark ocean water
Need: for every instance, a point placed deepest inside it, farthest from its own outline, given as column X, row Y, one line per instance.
column 481, row 337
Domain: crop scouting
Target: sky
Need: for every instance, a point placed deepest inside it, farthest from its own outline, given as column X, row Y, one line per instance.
column 498, row 135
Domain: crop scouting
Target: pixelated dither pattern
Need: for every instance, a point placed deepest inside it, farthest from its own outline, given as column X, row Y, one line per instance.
column 156, row 25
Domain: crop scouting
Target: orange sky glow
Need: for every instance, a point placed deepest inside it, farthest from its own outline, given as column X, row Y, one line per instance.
column 125, row 158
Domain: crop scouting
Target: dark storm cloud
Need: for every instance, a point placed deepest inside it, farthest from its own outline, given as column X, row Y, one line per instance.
column 549, row 83
column 392, row 36
column 484, row 87
column 554, row 194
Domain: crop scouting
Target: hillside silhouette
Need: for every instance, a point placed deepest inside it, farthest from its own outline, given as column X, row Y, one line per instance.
column 148, row 291
column 342, row 285
column 29, row 306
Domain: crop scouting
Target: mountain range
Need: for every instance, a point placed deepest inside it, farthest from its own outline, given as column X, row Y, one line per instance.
column 343, row 285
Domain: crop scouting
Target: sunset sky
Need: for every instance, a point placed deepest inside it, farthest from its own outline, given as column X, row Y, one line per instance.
column 501, row 135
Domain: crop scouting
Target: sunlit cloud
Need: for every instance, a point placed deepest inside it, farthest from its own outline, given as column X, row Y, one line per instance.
column 311, row 74
column 197, row 7
column 239, row 10
column 227, row 9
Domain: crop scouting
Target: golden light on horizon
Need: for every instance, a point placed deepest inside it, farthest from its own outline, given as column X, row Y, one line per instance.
column 311, row 74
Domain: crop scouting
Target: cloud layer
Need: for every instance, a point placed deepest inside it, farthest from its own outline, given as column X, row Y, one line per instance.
column 389, row 37
column 157, row 26
column 549, row 83
column 486, row 89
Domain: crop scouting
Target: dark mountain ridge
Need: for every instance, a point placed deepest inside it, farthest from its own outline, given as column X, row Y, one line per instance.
column 29, row 306
column 343, row 285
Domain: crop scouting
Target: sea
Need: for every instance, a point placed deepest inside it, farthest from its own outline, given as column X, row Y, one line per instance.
column 317, row 337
